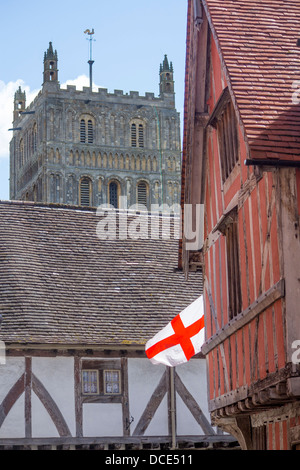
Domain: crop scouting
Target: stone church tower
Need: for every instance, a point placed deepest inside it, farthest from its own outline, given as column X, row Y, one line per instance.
column 89, row 148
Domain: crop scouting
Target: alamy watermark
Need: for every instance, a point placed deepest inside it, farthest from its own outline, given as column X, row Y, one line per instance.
column 296, row 354
column 160, row 222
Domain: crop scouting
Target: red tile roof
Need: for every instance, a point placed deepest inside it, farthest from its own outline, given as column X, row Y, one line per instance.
column 257, row 40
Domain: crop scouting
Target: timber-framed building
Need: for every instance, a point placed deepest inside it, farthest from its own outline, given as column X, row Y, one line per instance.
column 241, row 160
column 76, row 311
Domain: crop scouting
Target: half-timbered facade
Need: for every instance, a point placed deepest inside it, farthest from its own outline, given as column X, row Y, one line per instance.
column 77, row 308
column 241, row 159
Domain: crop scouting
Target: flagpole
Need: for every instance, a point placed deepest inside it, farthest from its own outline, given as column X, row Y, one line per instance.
column 173, row 411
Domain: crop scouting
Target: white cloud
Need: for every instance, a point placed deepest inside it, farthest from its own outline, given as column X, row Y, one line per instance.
column 7, row 92
column 80, row 82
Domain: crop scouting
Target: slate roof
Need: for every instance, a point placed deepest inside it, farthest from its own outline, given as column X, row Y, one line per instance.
column 61, row 284
column 257, row 40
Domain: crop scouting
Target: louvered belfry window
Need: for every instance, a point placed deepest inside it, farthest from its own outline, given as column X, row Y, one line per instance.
column 137, row 134
column 133, row 135
column 141, row 135
column 82, row 131
column 86, row 130
column 85, row 193
column 142, row 193
column 90, row 132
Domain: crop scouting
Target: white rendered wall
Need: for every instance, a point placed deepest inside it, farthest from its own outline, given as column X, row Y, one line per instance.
column 102, row 419
column 57, row 376
column 14, row 424
column 143, row 378
column 193, row 376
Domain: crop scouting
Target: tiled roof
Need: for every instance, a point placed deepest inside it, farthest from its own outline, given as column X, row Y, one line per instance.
column 258, row 43
column 61, row 284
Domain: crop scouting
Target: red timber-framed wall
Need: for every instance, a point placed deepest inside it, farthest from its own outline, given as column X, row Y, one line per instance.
column 250, row 258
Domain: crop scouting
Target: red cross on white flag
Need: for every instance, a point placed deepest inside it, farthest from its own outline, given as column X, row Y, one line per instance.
column 181, row 339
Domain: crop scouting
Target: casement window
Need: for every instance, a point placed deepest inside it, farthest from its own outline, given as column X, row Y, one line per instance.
column 223, row 119
column 112, row 382
column 85, row 188
column 228, row 226
column 233, row 269
column 113, row 189
column 137, row 134
column 86, row 130
column 102, row 380
column 228, row 140
column 90, row 382
column 142, row 193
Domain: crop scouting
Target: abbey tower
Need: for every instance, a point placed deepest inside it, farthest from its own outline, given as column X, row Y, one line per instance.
column 89, row 148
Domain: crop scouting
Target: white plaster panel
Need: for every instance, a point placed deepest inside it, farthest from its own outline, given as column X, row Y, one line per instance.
column 193, row 376
column 57, row 376
column 159, row 423
column 14, row 424
column 143, row 378
column 10, row 373
column 42, row 424
column 102, row 419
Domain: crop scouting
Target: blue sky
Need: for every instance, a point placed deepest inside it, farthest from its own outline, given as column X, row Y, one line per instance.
column 131, row 38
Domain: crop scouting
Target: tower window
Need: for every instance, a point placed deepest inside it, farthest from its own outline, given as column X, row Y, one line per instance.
column 85, row 192
column 113, row 194
column 133, row 135
column 82, row 131
column 142, row 190
column 137, row 134
column 141, row 135
column 86, row 130
column 90, row 132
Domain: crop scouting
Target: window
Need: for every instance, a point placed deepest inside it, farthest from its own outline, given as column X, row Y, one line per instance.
column 228, row 140
column 233, row 269
column 223, row 119
column 86, row 130
column 113, row 194
column 142, row 193
column 90, row 382
column 90, row 132
column 141, row 135
column 85, row 192
column 228, row 226
column 102, row 380
column 137, row 134
column 133, row 135
column 82, row 131
column 112, row 382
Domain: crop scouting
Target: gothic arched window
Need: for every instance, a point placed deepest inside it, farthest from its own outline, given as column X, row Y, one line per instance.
column 142, row 193
column 113, row 190
column 85, row 191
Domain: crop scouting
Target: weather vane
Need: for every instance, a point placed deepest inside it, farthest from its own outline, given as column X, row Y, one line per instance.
column 90, row 62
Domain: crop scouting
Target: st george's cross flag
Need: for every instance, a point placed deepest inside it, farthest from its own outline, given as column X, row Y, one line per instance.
column 181, row 339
